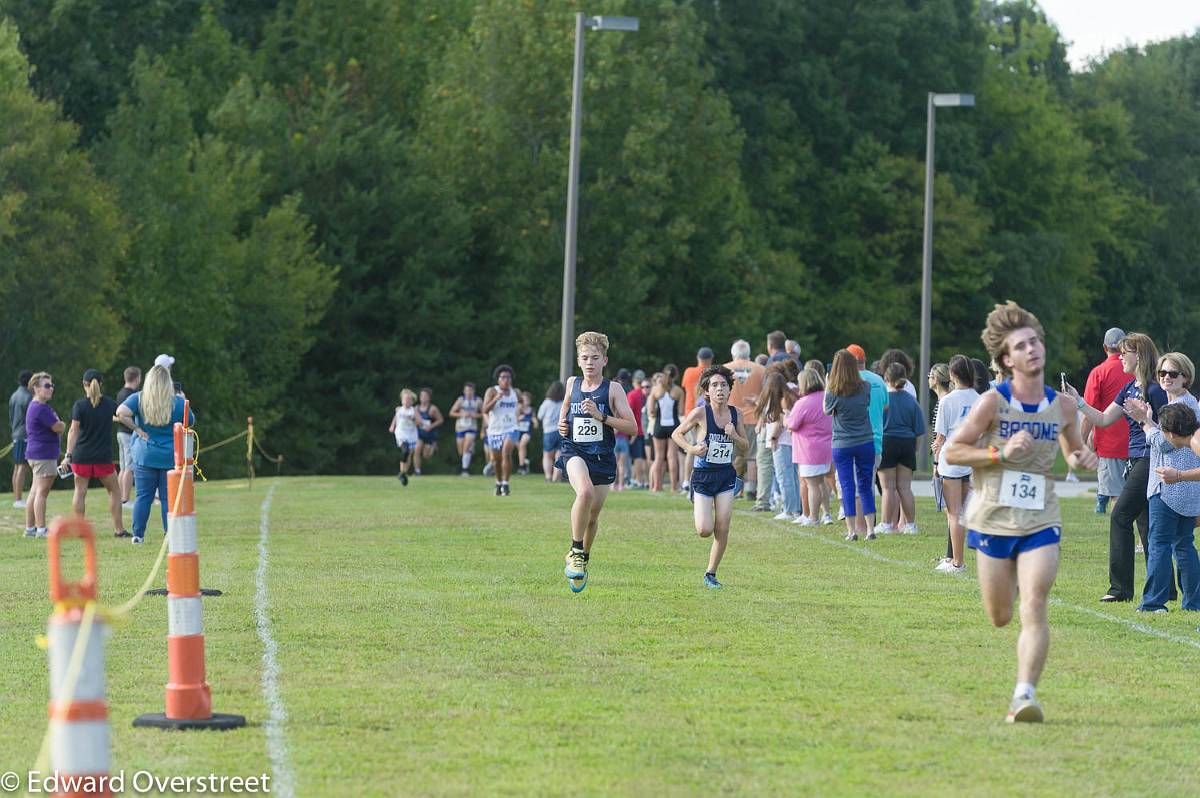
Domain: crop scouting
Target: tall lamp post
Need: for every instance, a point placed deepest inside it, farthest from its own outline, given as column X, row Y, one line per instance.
column 582, row 21
column 935, row 101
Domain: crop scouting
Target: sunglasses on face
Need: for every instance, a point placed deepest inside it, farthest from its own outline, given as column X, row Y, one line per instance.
column 49, row 386
column 1168, row 374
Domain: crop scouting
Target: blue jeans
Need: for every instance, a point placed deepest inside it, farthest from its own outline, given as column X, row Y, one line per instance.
column 148, row 481
column 1169, row 532
column 856, row 471
column 785, row 475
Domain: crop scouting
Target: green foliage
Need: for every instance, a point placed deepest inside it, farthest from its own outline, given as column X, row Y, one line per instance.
column 62, row 239
column 313, row 203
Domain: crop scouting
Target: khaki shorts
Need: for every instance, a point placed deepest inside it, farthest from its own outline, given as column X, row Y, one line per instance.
column 44, row 468
column 740, row 460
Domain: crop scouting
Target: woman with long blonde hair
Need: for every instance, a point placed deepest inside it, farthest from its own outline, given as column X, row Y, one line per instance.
column 151, row 414
column 90, row 450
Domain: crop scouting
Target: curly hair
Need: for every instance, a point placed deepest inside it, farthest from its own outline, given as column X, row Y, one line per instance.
column 1003, row 321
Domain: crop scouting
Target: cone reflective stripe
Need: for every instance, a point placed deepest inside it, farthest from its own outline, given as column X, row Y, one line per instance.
column 188, row 697
column 80, row 744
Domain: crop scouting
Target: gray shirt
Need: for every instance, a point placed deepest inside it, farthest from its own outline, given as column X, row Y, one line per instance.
column 851, row 418
column 1182, row 497
column 18, row 404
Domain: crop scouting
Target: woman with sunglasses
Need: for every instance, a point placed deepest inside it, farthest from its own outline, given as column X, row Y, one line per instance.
column 1139, row 357
column 43, row 428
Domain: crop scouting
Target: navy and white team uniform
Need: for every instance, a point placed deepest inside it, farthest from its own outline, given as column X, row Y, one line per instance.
column 587, row 437
column 427, row 435
column 525, row 423
column 714, row 474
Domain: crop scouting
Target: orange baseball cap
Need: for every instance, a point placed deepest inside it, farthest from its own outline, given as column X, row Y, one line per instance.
column 857, row 351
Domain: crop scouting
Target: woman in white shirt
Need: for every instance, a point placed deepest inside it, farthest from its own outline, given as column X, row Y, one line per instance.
column 952, row 412
column 547, row 419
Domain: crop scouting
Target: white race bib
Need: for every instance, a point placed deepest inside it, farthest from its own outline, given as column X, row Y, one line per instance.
column 719, row 453
column 585, row 429
column 1023, row 491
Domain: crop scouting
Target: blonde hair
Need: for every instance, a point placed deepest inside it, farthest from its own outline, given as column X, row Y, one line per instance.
column 36, row 378
column 158, row 397
column 809, row 381
column 407, row 392
column 1143, row 346
column 1001, row 322
column 598, row 340
column 1186, row 368
column 93, row 392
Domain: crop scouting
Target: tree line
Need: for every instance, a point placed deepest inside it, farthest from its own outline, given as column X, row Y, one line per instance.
column 311, row 203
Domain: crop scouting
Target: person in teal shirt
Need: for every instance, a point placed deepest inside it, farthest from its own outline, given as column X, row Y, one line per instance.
column 879, row 399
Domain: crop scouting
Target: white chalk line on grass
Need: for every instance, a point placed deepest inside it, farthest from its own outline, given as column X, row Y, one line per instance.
column 277, row 749
column 1136, row 626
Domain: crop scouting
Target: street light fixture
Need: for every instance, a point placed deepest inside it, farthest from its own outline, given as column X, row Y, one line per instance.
column 582, row 21
column 934, row 101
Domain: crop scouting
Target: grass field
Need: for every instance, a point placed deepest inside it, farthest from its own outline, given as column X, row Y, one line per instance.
column 428, row 645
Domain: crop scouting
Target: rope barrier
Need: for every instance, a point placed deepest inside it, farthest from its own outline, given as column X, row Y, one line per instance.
column 219, row 444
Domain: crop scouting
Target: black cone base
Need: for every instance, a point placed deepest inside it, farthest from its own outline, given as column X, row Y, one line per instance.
column 218, row 722
column 204, row 591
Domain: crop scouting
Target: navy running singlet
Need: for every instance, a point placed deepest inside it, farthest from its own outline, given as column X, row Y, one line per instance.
column 588, row 435
column 720, row 445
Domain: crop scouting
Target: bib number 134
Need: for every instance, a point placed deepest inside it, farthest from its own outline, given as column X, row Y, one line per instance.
column 585, row 429
column 1023, row 491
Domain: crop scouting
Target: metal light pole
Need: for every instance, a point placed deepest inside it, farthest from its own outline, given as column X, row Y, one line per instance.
column 934, row 101
column 582, row 21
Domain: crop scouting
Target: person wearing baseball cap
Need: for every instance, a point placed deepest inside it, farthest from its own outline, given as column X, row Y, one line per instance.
column 1111, row 444
column 689, row 381
column 164, row 360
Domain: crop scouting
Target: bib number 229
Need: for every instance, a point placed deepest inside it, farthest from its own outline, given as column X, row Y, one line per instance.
column 585, row 429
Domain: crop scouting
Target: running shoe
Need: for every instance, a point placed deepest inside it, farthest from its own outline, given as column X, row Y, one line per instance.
column 403, row 478
column 489, row 470
column 710, row 581
column 464, row 473
column 841, row 513
column 784, row 516
column 872, row 536
column 884, row 529
column 803, row 520
column 851, row 536
column 948, row 567
column 1071, row 477
column 30, row 532
column 908, row 529
column 124, row 533
column 576, row 564
column 416, row 472
column 826, row 519
column 499, row 489
column 19, row 504
column 135, row 540
column 507, row 489
column 43, row 532
column 1024, row 710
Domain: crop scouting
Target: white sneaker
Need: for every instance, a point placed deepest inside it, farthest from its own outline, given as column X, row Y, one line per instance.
column 784, row 516
column 1024, row 710
column 126, row 505
column 884, row 529
column 841, row 513
column 1071, row 477
column 948, row 567
column 19, row 504
column 826, row 520
column 803, row 520
column 42, row 532
column 908, row 529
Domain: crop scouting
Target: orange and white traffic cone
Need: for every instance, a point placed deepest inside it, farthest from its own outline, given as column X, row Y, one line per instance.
column 189, row 700
column 80, row 748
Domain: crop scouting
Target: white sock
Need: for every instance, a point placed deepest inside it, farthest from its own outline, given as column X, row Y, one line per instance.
column 466, row 460
column 1024, row 690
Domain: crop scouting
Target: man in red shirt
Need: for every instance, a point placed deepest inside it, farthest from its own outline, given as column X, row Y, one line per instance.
column 1111, row 444
column 637, row 445
column 689, row 381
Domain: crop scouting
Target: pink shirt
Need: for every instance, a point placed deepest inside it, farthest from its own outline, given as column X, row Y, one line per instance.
column 812, row 430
